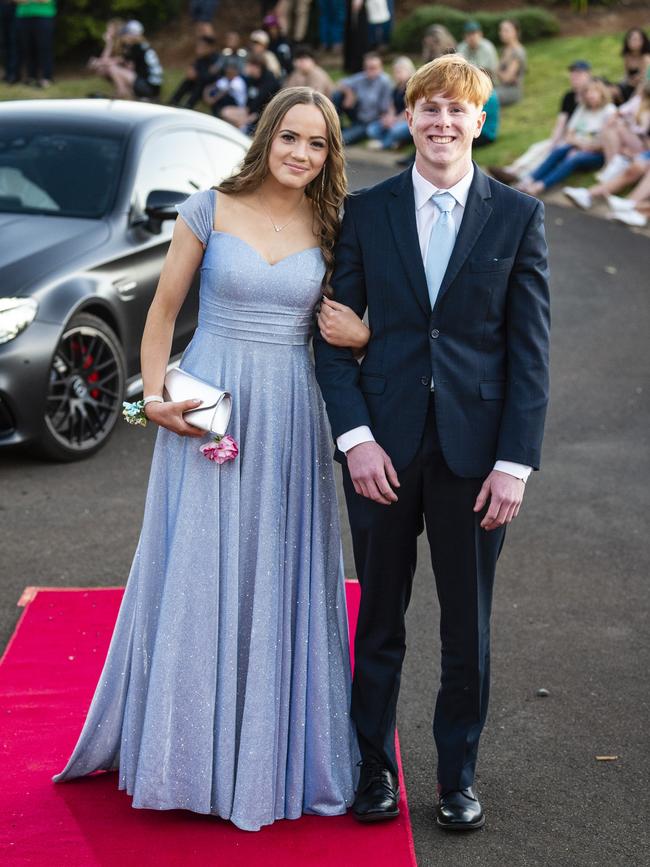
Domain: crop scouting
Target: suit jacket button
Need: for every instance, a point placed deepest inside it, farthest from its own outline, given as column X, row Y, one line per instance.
column 425, row 380
column 435, row 333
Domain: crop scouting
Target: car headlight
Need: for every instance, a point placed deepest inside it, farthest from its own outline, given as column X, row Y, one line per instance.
column 15, row 316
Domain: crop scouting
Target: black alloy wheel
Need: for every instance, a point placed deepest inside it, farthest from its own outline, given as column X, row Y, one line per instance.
column 86, row 388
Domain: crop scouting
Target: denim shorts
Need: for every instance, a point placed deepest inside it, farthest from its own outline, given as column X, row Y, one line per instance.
column 203, row 10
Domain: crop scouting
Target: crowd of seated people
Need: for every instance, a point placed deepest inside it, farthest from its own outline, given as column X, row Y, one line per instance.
column 602, row 127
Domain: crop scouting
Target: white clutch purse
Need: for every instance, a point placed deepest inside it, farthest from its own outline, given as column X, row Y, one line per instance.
column 213, row 414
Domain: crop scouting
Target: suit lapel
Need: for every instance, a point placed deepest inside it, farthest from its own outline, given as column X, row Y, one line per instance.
column 477, row 213
column 401, row 215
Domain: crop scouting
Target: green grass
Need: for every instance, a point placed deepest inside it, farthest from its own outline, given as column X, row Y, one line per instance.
column 529, row 121
column 68, row 87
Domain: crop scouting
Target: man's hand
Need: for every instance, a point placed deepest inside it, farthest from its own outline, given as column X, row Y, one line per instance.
column 372, row 473
column 505, row 493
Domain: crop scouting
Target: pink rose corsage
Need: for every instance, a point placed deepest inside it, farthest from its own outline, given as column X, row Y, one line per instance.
column 221, row 449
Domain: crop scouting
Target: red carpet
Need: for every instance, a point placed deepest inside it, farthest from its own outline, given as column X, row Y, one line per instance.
column 47, row 678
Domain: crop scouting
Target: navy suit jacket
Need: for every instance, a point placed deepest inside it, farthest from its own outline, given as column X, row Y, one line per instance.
column 485, row 341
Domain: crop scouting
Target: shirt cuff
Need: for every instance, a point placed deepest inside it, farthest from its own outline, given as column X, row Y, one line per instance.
column 519, row 471
column 354, row 437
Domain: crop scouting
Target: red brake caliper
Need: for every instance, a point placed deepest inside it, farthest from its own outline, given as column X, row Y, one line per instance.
column 92, row 377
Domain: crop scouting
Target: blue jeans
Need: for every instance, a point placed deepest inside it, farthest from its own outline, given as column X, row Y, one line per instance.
column 397, row 135
column 558, row 165
column 354, row 133
column 331, row 19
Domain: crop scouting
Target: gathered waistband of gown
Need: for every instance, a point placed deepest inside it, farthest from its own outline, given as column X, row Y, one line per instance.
column 264, row 326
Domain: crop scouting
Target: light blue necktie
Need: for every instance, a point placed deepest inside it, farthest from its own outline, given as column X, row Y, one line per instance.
column 441, row 244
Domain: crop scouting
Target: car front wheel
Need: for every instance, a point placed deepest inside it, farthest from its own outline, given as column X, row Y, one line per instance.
column 86, row 386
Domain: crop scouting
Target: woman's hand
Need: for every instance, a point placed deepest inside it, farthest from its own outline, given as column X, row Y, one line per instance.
column 170, row 415
column 340, row 325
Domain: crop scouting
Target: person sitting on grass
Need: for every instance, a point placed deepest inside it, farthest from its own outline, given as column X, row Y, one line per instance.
column 579, row 77
column 512, row 64
column 582, row 147
column 198, row 75
column 490, row 129
column 141, row 75
column 258, row 46
column 229, row 90
column 232, row 47
column 626, row 133
column 636, row 61
column 363, row 97
column 111, row 52
column 437, row 40
column 391, row 131
column 478, row 50
column 583, row 197
column 307, row 73
column 279, row 44
column 261, row 86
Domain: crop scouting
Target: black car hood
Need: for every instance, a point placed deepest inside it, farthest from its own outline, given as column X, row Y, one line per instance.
column 33, row 246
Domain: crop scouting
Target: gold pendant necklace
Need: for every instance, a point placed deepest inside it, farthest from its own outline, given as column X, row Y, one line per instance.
column 291, row 219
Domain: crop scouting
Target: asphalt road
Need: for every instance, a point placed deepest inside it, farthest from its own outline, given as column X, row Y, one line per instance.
column 571, row 603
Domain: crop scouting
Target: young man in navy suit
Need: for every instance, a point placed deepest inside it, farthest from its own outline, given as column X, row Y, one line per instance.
column 441, row 423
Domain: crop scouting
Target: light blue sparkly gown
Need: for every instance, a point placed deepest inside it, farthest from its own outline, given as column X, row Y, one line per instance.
column 227, row 682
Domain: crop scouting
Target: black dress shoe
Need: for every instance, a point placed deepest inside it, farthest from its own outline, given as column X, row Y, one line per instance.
column 459, row 811
column 377, row 794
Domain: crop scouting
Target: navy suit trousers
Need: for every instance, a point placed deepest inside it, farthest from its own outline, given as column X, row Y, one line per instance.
column 463, row 557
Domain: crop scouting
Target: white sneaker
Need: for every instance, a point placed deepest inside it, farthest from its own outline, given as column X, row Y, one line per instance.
column 579, row 196
column 618, row 203
column 631, row 218
column 374, row 145
column 614, row 167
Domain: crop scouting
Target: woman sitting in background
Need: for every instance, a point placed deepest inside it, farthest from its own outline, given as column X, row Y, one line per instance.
column 582, row 147
column 512, row 64
column 436, row 42
column 626, row 134
column 392, row 129
column 112, row 51
column 636, row 61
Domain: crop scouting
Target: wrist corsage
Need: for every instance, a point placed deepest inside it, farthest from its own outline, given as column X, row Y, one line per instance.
column 133, row 413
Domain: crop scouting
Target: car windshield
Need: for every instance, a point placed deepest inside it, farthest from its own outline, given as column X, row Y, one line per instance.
column 60, row 172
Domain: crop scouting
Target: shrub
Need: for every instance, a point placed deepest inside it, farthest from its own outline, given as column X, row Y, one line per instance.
column 80, row 23
column 534, row 24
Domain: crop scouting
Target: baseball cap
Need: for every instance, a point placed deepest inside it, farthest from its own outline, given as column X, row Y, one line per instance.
column 471, row 27
column 261, row 37
column 132, row 28
column 580, row 64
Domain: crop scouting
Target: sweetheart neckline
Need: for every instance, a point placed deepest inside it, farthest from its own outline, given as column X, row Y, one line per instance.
column 257, row 252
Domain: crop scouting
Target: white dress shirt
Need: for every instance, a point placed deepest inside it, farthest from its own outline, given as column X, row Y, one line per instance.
column 426, row 214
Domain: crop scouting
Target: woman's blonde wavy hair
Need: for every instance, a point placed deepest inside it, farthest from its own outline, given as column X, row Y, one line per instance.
column 327, row 190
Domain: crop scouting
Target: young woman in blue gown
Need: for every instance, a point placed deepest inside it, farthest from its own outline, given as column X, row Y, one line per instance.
column 227, row 681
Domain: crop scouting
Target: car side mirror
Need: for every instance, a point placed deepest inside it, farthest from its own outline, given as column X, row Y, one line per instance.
column 160, row 207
